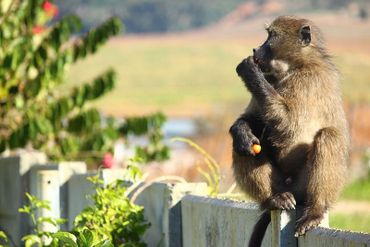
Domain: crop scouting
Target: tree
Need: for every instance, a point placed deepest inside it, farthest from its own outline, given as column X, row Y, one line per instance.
column 35, row 50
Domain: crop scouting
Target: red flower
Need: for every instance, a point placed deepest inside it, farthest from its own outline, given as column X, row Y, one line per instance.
column 38, row 29
column 108, row 160
column 50, row 9
column 48, row 6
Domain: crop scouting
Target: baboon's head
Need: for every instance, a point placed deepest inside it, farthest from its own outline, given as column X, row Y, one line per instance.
column 291, row 43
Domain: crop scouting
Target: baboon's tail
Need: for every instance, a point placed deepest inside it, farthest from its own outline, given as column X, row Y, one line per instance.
column 259, row 229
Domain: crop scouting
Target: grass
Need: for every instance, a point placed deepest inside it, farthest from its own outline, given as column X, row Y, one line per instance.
column 167, row 75
column 355, row 72
column 191, row 75
column 358, row 190
column 354, row 222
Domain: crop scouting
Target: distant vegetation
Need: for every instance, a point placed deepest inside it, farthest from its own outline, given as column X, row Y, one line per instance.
column 151, row 15
column 140, row 16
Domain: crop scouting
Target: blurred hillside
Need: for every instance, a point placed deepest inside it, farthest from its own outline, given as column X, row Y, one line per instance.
column 142, row 16
column 151, row 15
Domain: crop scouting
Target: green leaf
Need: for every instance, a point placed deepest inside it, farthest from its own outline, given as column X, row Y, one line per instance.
column 31, row 240
column 25, row 209
column 43, row 126
column 3, row 236
column 32, row 130
column 33, row 87
column 19, row 101
column 49, row 220
column 88, row 237
column 14, row 140
column 95, row 180
column 2, row 146
column 104, row 243
column 69, row 145
column 68, row 238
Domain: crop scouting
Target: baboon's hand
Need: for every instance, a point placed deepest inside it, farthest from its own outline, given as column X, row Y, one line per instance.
column 243, row 141
column 251, row 74
column 283, row 200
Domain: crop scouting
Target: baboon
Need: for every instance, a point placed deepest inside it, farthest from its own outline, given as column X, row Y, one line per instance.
column 296, row 115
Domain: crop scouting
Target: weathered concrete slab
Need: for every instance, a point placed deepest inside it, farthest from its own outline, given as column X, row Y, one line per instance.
column 79, row 188
column 163, row 210
column 208, row 222
column 111, row 175
column 14, row 182
column 44, row 184
column 50, row 182
column 334, row 238
column 66, row 171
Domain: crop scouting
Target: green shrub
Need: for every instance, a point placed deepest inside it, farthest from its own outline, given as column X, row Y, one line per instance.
column 113, row 216
column 112, row 220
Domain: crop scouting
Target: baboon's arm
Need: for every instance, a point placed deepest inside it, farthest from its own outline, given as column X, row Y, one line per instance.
column 269, row 100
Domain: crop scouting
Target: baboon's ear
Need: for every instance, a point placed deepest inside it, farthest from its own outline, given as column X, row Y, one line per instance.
column 305, row 35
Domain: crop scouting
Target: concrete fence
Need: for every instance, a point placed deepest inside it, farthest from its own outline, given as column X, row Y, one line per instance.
column 180, row 213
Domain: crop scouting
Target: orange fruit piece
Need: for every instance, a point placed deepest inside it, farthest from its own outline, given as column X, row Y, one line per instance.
column 256, row 148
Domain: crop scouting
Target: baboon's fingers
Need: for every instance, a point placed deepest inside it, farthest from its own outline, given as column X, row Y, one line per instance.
column 302, row 229
column 290, row 199
column 284, row 201
column 242, row 145
column 307, row 222
column 288, row 205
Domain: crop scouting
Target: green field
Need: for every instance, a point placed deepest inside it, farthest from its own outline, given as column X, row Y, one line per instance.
column 358, row 190
column 354, row 222
column 354, row 219
column 191, row 75
column 168, row 75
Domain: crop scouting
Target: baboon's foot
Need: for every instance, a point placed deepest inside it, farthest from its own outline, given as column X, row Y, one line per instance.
column 310, row 219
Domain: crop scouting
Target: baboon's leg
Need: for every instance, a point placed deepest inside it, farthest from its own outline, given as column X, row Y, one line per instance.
column 256, row 176
column 323, row 175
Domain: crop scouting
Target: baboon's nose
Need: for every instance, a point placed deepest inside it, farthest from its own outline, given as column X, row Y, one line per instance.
column 254, row 50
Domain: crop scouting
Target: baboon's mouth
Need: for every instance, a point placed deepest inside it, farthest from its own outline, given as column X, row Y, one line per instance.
column 264, row 67
column 260, row 63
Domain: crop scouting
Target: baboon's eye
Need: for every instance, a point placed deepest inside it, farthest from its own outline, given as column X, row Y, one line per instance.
column 305, row 35
column 272, row 34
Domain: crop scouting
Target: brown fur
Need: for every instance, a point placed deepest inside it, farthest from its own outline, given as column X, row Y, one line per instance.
column 299, row 120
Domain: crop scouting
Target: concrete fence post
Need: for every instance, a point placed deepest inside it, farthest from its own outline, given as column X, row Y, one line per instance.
column 56, row 185
column 211, row 222
column 79, row 188
column 44, row 184
column 334, row 238
column 162, row 208
column 14, row 182
column 283, row 227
